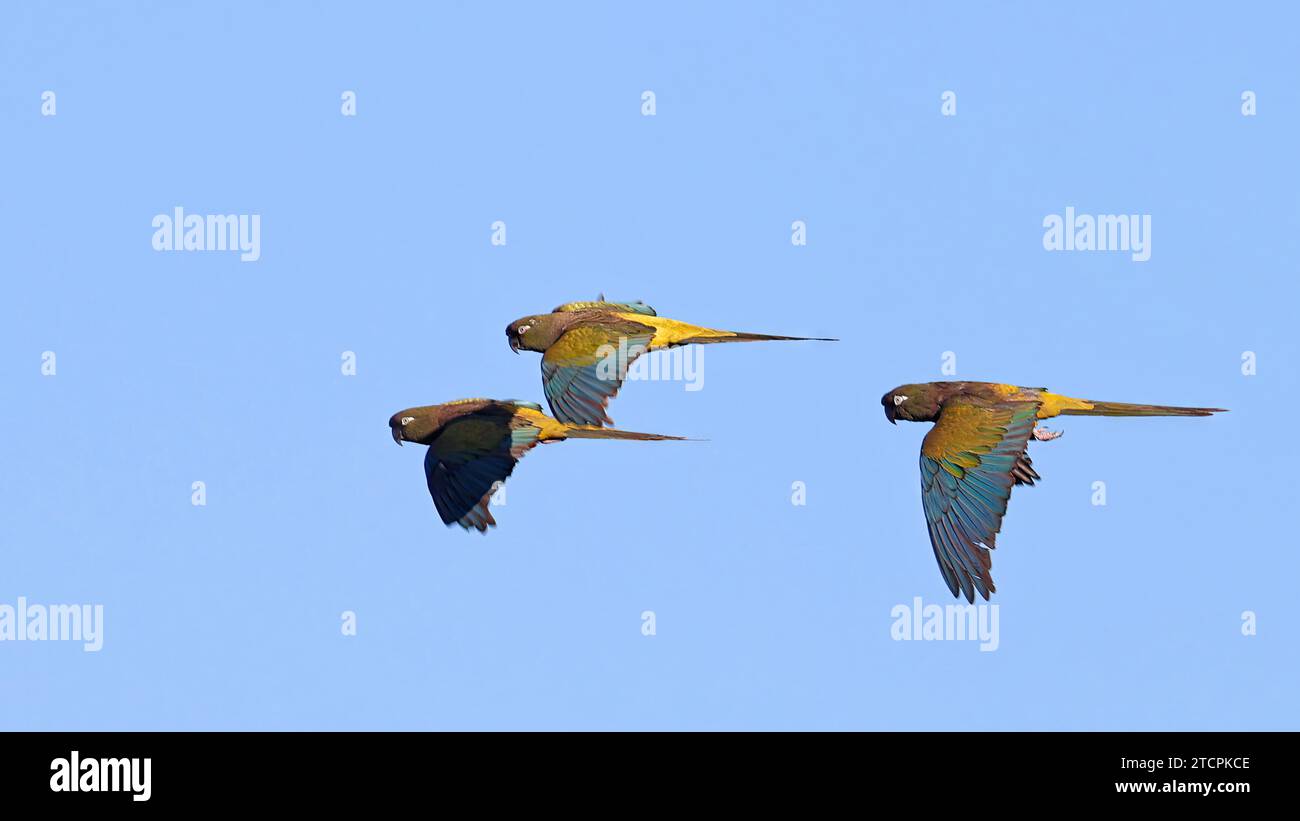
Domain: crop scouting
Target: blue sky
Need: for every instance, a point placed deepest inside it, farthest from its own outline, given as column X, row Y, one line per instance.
column 924, row 236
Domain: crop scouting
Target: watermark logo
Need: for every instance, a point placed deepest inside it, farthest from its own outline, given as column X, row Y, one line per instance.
column 625, row 362
column 211, row 232
column 948, row 363
column 951, row 622
column 799, row 233
column 1103, row 232
column 55, row 622
column 1099, row 493
column 77, row 774
column 1248, row 363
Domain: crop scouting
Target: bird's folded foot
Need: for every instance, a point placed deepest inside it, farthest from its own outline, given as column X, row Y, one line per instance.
column 1045, row 435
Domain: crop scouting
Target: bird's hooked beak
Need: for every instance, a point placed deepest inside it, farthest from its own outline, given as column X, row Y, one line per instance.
column 890, row 415
column 397, row 434
column 514, row 344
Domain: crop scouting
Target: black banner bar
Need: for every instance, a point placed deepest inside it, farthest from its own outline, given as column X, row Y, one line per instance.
column 87, row 770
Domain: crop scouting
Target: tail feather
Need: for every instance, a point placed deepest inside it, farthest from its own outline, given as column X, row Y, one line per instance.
column 737, row 336
column 1125, row 409
column 592, row 432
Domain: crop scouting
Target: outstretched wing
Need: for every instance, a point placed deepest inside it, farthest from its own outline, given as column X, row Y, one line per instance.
column 468, row 458
column 970, row 460
column 585, row 368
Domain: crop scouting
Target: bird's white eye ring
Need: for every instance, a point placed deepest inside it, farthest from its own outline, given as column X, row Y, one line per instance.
column 407, row 420
column 898, row 400
column 523, row 329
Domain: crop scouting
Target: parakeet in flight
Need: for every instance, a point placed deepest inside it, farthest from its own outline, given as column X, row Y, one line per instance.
column 586, row 348
column 976, row 452
column 475, row 443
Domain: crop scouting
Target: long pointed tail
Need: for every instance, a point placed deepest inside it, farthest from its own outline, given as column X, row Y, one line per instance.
column 1091, row 408
column 590, row 432
column 737, row 336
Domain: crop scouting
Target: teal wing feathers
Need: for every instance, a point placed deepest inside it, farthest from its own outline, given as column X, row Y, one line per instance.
column 467, row 459
column 970, row 461
column 585, row 369
column 637, row 307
